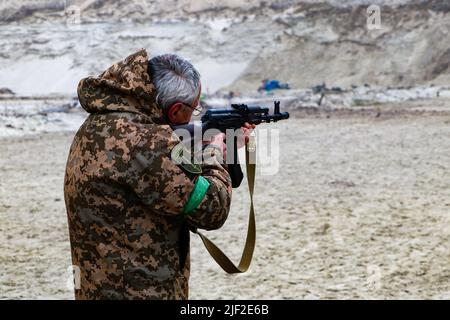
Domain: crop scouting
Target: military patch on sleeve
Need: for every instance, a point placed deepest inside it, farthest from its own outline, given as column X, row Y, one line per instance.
column 183, row 158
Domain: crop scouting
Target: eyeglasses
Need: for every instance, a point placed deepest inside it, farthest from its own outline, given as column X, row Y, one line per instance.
column 197, row 110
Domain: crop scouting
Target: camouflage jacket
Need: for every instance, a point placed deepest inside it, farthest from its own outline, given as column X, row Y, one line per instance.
column 124, row 195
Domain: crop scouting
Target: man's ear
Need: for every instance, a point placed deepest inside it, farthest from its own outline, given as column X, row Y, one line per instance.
column 173, row 111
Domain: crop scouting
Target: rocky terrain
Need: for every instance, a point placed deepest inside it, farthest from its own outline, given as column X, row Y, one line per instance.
column 235, row 44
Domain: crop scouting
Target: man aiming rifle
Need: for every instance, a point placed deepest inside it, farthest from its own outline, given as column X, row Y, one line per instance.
column 130, row 206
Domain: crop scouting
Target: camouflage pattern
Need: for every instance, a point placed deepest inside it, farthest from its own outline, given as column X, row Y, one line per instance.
column 124, row 195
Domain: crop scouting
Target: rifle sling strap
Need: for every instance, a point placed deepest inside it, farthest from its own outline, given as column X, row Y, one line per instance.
column 247, row 254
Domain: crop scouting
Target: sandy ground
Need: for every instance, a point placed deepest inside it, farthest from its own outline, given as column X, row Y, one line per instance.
column 360, row 208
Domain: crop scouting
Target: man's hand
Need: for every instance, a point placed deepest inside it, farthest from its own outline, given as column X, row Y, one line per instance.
column 218, row 141
column 243, row 138
column 244, row 135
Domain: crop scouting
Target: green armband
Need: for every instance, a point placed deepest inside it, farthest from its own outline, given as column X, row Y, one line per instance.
column 197, row 195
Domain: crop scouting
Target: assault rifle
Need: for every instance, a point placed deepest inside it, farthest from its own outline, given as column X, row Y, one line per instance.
column 234, row 118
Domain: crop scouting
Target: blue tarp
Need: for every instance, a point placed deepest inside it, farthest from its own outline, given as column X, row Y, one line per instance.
column 269, row 85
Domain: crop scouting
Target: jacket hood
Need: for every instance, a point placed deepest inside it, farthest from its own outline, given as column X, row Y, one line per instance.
column 124, row 87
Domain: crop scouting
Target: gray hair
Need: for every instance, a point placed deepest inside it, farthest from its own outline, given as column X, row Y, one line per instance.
column 175, row 79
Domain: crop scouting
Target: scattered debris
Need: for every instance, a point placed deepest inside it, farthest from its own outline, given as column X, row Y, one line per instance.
column 323, row 229
column 269, row 85
column 343, row 183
